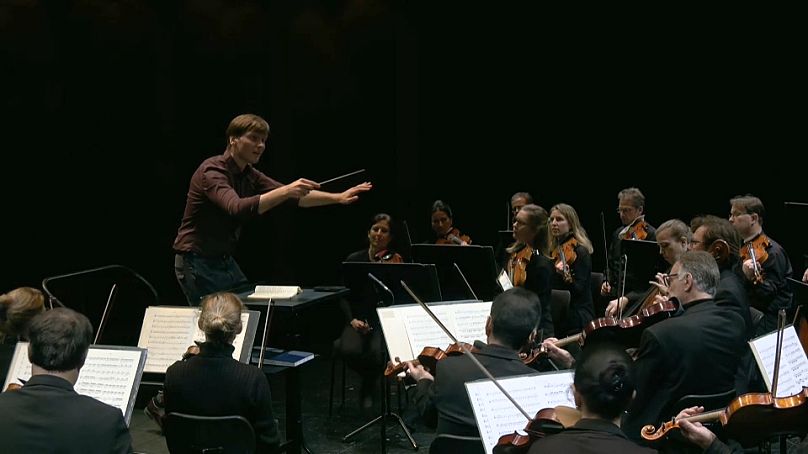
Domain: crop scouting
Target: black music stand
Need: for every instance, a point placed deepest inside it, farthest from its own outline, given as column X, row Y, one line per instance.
column 476, row 262
column 361, row 278
column 644, row 259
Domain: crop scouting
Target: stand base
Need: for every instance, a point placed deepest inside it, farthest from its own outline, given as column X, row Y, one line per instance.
column 383, row 419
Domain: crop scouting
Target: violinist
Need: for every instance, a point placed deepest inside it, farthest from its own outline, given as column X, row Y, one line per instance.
column 631, row 209
column 696, row 352
column 46, row 414
column 702, row 437
column 526, row 264
column 571, row 250
column 441, row 396
column 603, row 387
column 17, row 308
column 765, row 266
column 673, row 238
column 443, row 226
column 213, row 383
column 360, row 345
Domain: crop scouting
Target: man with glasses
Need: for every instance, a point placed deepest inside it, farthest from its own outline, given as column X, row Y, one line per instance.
column 631, row 208
column 696, row 352
column 768, row 288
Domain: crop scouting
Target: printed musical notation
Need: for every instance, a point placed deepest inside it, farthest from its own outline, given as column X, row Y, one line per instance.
column 496, row 415
column 793, row 361
column 167, row 333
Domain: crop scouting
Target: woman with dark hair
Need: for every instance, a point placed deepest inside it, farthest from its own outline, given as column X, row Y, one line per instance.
column 603, row 387
column 443, row 226
column 359, row 345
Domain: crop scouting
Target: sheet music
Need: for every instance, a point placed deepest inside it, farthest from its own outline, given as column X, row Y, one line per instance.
column 108, row 374
column 422, row 331
column 470, row 321
column 408, row 328
column 167, row 333
column 793, row 362
column 496, row 415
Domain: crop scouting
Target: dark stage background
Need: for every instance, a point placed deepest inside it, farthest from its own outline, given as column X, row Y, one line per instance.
column 109, row 106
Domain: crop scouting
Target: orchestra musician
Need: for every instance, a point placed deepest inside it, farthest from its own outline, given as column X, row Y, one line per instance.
column 213, row 383
column 603, row 387
column 17, row 308
column 360, row 344
column 46, row 414
column 567, row 235
column 526, row 264
column 673, row 237
column 696, row 352
column 226, row 191
column 518, row 200
column 443, row 226
column 766, row 280
column 631, row 209
column 441, row 395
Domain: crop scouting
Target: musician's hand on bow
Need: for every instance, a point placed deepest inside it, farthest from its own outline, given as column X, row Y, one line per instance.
column 605, row 288
column 417, row 372
column 614, row 305
column 560, row 356
column 695, row 432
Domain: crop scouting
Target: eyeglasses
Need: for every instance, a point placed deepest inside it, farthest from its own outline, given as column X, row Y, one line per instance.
column 625, row 209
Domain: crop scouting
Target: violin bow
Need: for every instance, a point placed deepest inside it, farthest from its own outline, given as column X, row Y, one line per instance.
column 468, row 286
column 465, row 350
column 267, row 321
column 104, row 317
column 623, row 292
column 605, row 246
column 781, row 323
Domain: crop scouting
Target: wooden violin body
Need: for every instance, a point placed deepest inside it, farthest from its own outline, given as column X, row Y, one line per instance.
column 387, row 256
column 750, row 418
column 453, row 236
column 628, row 330
column 428, row 358
column 564, row 256
column 637, row 231
column 547, row 421
column 517, row 265
column 755, row 251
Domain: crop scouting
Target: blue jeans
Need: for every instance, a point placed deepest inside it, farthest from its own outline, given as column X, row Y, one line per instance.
column 199, row 276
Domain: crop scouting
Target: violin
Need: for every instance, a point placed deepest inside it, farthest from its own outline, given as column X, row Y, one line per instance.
column 192, row 350
column 453, row 236
column 387, row 256
column 755, row 250
column 636, row 231
column 13, row 387
column 429, row 358
column 547, row 421
column 534, row 352
column 628, row 330
column 563, row 256
column 517, row 266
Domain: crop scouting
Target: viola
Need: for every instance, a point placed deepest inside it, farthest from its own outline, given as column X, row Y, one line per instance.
column 428, row 358
column 453, row 236
column 750, row 418
column 755, row 250
column 636, row 231
column 563, row 256
column 517, row 266
column 547, row 421
column 628, row 330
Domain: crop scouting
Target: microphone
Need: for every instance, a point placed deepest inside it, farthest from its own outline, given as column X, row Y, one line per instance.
column 386, row 289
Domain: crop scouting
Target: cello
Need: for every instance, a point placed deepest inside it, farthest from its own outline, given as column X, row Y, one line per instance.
column 753, row 417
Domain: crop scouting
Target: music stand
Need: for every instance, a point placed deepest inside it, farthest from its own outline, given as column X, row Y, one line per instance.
column 644, row 259
column 800, row 298
column 476, row 262
column 364, row 287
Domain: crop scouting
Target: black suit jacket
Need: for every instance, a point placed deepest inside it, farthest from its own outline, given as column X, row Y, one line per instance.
column 446, row 399
column 48, row 416
column 697, row 352
column 589, row 436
